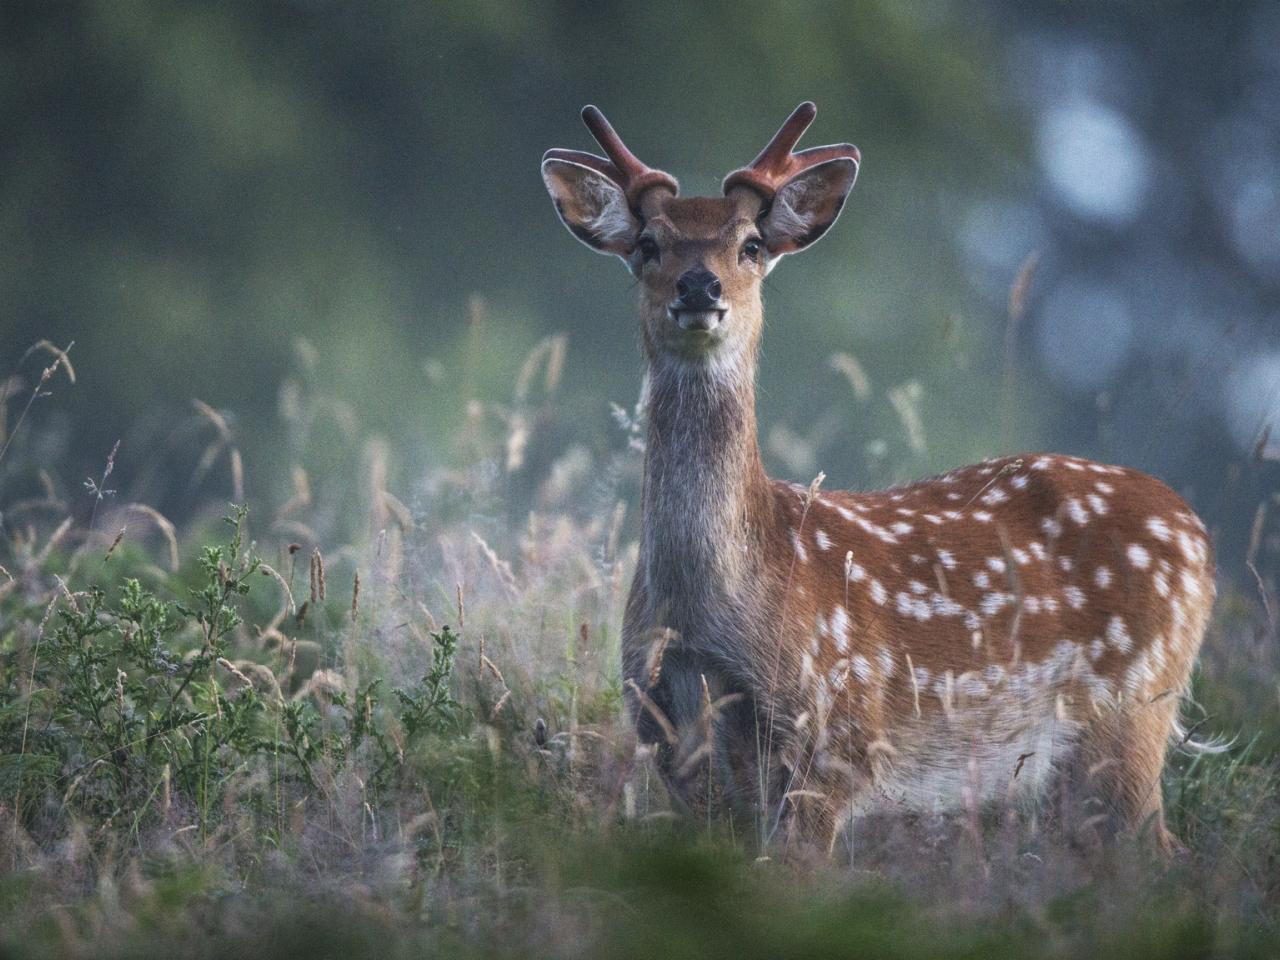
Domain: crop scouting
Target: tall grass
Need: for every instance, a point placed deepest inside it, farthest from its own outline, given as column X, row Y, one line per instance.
column 350, row 721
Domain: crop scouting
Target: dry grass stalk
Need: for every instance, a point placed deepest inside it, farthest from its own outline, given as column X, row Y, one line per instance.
column 1266, row 598
column 657, row 650
column 500, row 567
column 54, row 539
column 552, row 350
column 487, row 664
column 270, row 571
column 497, row 707
column 915, row 685
column 317, row 576
column 218, row 421
column 651, row 708
column 114, row 543
column 905, row 399
column 237, row 475
column 517, row 442
column 61, row 356
column 166, row 528
column 232, row 669
column 393, row 504
column 848, row 364
column 1255, row 533
column 37, row 391
column 1008, row 469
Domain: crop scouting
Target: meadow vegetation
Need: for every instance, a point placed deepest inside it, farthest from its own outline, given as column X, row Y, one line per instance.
column 332, row 719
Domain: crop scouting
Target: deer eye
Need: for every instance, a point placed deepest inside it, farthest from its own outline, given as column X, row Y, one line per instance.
column 751, row 248
column 648, row 248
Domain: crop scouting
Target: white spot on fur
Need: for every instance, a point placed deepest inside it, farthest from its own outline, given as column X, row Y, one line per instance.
column 995, row 564
column 910, row 606
column 822, row 541
column 801, row 554
column 1118, row 635
column 993, row 496
column 862, row 668
column 1102, row 577
column 1190, row 585
column 992, row 603
column 947, row 559
column 875, row 530
column 1076, row 511
column 982, row 516
column 1138, row 556
column 1192, row 547
column 944, row 606
column 1097, row 504
column 840, row 628
column 982, row 580
column 884, row 660
column 1051, row 527
column 1159, row 529
column 1161, row 580
column 1075, row 597
column 878, row 592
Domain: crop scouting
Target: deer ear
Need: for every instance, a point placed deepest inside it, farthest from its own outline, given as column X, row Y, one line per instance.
column 806, row 206
column 592, row 206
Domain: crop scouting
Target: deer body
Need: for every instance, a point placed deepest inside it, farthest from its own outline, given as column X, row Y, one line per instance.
column 807, row 656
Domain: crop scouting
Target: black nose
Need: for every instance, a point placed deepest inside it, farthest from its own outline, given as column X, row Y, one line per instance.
column 698, row 289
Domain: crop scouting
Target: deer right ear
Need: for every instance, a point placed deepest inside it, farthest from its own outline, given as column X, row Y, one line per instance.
column 592, row 206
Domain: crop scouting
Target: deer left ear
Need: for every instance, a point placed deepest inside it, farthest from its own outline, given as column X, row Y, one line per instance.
column 805, row 207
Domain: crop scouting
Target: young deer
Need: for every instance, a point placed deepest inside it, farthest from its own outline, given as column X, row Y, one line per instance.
column 808, row 656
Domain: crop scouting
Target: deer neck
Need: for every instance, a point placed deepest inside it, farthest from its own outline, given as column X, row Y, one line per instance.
column 707, row 504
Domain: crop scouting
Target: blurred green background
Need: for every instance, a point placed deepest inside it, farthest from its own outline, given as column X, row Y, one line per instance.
column 216, row 199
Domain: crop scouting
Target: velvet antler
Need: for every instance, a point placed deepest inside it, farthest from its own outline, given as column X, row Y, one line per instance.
column 622, row 166
column 776, row 163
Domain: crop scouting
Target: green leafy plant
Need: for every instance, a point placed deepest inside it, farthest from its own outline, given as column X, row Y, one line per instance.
column 126, row 705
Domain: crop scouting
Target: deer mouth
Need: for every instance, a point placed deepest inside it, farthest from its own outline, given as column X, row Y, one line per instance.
column 698, row 321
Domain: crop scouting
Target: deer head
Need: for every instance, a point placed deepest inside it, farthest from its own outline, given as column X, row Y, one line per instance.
column 700, row 261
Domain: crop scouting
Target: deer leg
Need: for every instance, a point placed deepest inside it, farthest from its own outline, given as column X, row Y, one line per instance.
column 1117, row 774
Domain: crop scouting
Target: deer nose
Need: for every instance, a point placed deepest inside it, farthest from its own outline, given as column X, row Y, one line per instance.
column 698, row 289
